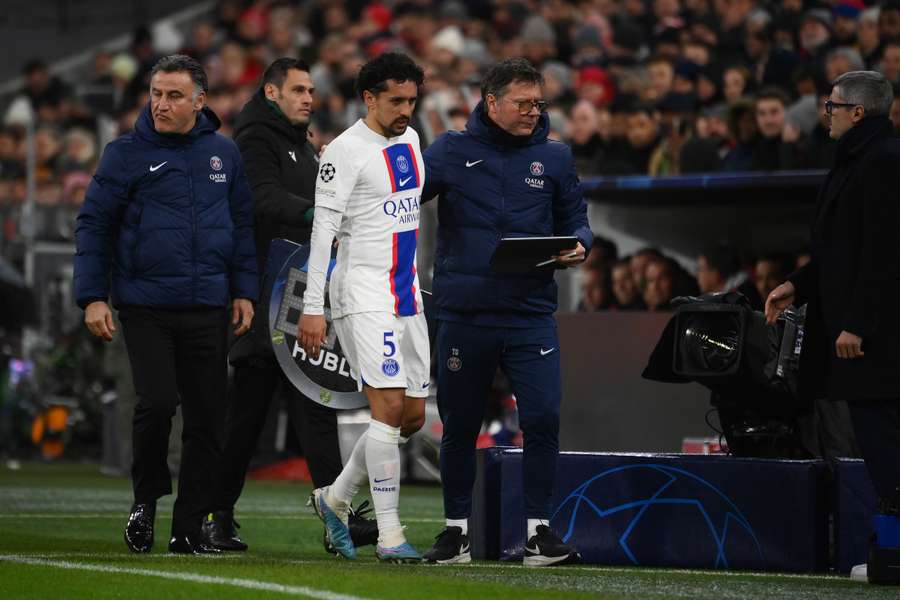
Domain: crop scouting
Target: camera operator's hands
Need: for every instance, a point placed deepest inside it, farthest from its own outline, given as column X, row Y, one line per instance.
column 311, row 334
column 99, row 321
column 572, row 257
column 849, row 345
column 780, row 298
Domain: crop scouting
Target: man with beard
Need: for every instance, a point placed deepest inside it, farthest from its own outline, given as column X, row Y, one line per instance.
column 271, row 133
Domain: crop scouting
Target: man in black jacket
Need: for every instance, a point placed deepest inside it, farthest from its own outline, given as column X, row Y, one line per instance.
column 851, row 286
column 271, row 132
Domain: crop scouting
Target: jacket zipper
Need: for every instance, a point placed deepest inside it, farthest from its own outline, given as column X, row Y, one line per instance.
column 193, row 228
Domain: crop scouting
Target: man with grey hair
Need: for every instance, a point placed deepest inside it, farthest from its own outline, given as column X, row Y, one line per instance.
column 166, row 232
column 850, row 287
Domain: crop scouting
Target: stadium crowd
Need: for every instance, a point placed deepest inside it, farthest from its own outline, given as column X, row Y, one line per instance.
column 635, row 87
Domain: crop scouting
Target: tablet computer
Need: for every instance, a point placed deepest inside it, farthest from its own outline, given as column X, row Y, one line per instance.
column 527, row 254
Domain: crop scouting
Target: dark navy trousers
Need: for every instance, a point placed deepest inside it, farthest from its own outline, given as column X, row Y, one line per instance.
column 468, row 357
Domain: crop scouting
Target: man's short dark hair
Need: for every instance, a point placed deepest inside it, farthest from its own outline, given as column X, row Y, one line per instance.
column 374, row 75
column 277, row 72
column 506, row 72
column 724, row 258
column 773, row 93
column 177, row 63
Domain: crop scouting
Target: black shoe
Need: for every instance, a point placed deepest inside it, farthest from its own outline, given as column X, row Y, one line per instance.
column 188, row 544
column 363, row 530
column 139, row 529
column 545, row 549
column 220, row 531
column 451, row 546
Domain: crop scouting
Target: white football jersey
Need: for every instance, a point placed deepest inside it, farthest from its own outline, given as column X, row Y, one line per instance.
column 376, row 184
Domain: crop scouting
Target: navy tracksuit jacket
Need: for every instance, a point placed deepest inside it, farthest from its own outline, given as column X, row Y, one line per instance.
column 492, row 185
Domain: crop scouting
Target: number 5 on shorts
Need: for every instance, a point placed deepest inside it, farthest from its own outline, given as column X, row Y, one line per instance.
column 389, row 348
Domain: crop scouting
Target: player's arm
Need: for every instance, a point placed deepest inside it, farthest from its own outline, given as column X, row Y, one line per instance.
column 334, row 184
column 570, row 215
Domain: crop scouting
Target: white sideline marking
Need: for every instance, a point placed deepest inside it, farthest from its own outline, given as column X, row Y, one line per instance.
column 599, row 569
column 250, row 584
column 124, row 516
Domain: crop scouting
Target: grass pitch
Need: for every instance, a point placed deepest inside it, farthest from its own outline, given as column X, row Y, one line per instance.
column 61, row 537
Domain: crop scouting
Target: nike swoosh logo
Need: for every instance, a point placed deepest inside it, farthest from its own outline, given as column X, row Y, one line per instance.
column 152, row 168
column 383, row 480
column 530, row 551
column 464, row 549
column 546, row 352
column 472, row 164
column 405, row 181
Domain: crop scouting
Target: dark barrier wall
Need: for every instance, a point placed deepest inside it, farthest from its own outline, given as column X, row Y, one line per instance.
column 606, row 405
column 708, row 512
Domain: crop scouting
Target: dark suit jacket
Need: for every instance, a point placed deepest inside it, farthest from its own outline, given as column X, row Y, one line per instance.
column 853, row 281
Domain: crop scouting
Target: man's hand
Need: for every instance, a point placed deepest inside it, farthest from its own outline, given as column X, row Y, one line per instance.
column 572, row 257
column 99, row 321
column 311, row 333
column 780, row 298
column 849, row 345
column 241, row 315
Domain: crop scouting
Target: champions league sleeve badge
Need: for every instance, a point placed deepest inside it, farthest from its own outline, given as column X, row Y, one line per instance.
column 325, row 379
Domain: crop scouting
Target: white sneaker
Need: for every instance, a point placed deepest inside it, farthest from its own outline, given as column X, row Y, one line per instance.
column 860, row 573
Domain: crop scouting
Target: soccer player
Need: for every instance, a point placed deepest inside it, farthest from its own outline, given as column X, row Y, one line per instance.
column 367, row 194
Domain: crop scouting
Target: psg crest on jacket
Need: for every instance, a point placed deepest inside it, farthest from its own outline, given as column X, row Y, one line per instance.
column 326, row 378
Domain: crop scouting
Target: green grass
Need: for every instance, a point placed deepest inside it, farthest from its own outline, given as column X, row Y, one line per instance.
column 61, row 537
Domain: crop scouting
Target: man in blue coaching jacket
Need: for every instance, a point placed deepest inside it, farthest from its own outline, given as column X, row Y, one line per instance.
column 166, row 231
column 499, row 178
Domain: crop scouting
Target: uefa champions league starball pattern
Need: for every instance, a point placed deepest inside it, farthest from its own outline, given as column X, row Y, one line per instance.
column 632, row 507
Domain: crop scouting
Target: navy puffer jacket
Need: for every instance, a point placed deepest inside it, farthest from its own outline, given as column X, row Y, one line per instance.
column 167, row 221
column 492, row 186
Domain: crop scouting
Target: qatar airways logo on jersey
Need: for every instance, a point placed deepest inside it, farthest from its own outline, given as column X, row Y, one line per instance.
column 405, row 210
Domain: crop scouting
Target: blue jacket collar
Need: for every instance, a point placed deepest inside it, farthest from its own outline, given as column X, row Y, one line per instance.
column 479, row 127
column 207, row 122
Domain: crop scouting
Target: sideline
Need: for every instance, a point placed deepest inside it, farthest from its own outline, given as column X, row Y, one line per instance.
column 250, row 584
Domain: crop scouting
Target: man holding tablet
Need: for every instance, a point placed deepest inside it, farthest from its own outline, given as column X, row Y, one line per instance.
column 501, row 178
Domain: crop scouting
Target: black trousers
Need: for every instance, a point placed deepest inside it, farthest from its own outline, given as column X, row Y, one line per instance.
column 256, row 382
column 177, row 355
column 877, row 426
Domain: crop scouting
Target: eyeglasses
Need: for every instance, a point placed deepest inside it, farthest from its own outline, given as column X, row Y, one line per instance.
column 830, row 106
column 525, row 106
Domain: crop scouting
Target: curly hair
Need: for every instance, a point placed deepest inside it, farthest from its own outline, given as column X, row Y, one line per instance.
column 374, row 75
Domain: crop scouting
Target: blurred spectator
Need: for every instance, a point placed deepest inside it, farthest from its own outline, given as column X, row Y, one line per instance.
column 659, row 288
column 719, row 270
column 769, row 152
column 641, row 138
column 770, row 272
column 625, row 291
column 846, row 22
column 596, row 290
column 742, row 127
column 639, row 262
column 867, row 36
column 737, row 83
column 842, row 60
column 588, row 146
column 815, row 34
column 890, row 61
column 889, row 22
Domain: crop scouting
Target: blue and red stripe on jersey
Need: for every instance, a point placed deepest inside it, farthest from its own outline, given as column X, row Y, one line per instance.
column 402, row 167
column 403, row 273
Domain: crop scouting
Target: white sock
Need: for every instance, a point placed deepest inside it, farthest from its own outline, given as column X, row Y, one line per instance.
column 532, row 526
column 383, row 461
column 461, row 523
column 353, row 475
